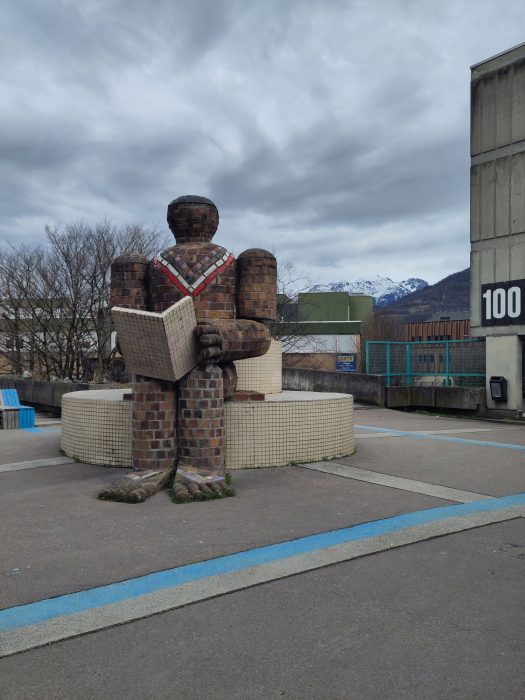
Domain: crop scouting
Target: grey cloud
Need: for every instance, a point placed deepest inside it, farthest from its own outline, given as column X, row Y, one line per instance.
column 324, row 130
column 322, row 179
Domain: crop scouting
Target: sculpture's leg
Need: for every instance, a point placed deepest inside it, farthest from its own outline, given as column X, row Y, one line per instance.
column 153, row 442
column 201, row 437
column 229, row 379
column 153, row 424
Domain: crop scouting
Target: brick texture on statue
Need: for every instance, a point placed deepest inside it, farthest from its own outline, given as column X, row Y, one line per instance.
column 257, row 285
column 242, row 338
column 201, row 435
column 239, row 396
column 192, row 219
column 229, row 379
column 153, row 424
column 216, row 300
column 128, row 281
column 182, row 422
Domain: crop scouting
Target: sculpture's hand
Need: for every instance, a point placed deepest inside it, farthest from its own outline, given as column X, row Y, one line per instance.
column 210, row 342
column 226, row 340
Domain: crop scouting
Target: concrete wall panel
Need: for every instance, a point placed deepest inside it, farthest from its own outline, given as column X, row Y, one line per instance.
column 487, row 105
column 504, row 360
column 502, row 195
column 503, row 83
column 517, row 262
column 518, row 102
column 502, row 263
column 517, row 194
column 368, row 388
column 487, row 258
column 487, row 210
column 475, row 302
column 475, row 187
column 475, row 118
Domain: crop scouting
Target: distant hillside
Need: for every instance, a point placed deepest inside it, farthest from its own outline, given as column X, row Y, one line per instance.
column 448, row 297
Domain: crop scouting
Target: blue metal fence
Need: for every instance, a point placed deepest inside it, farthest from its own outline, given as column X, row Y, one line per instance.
column 445, row 363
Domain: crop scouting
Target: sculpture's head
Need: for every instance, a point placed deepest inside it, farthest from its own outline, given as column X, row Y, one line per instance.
column 192, row 219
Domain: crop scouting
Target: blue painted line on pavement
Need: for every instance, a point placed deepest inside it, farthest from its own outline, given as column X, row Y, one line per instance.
column 69, row 604
column 41, row 430
column 442, row 438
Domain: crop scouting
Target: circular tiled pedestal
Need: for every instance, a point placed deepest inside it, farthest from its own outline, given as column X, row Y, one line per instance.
column 290, row 426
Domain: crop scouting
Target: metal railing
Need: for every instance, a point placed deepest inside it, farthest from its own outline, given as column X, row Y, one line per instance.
column 432, row 363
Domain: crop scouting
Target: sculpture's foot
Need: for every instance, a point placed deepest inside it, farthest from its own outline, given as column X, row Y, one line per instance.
column 136, row 487
column 187, row 489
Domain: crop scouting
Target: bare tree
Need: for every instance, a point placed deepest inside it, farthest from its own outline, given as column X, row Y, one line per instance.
column 86, row 254
column 287, row 328
column 54, row 301
column 11, row 311
column 378, row 326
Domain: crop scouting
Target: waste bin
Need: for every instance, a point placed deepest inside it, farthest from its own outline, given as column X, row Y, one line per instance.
column 498, row 389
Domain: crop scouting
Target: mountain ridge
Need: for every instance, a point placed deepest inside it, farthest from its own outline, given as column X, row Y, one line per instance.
column 384, row 290
column 450, row 297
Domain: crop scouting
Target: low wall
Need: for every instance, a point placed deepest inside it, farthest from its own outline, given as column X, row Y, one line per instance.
column 448, row 397
column 46, row 396
column 368, row 388
column 320, row 361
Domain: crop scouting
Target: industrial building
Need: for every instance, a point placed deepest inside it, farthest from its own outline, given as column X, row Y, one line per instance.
column 497, row 231
column 318, row 328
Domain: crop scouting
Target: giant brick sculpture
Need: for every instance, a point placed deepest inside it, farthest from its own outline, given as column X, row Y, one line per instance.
column 180, row 425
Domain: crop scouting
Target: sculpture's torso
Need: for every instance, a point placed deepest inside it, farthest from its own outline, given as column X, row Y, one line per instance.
column 204, row 271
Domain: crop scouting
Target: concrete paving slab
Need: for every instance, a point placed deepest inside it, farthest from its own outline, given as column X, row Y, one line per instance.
column 53, row 619
column 442, row 618
column 515, row 436
column 387, row 417
column 22, row 445
column 503, row 438
column 491, row 471
column 409, row 420
column 59, row 538
column 43, row 420
column 395, row 482
column 34, row 464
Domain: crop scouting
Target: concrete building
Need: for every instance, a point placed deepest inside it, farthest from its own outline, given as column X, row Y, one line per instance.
column 439, row 328
column 497, row 231
column 319, row 326
column 327, row 321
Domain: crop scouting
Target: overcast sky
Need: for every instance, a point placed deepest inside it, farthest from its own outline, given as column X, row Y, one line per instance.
column 332, row 132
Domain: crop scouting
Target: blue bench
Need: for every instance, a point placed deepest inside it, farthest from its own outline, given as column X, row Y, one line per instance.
column 14, row 415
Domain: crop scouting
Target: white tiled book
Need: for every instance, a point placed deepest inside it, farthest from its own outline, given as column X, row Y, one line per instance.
column 161, row 346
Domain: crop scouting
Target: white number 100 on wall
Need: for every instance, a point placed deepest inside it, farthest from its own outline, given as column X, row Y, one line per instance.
column 502, row 302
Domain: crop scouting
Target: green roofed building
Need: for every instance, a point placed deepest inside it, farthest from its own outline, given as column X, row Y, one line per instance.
column 322, row 322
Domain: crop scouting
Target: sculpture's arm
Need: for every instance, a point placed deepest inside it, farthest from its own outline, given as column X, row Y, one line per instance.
column 128, row 281
column 257, row 285
column 224, row 340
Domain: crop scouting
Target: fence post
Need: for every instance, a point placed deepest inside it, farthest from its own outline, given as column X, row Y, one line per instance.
column 409, row 364
column 388, row 363
column 447, row 362
column 367, row 357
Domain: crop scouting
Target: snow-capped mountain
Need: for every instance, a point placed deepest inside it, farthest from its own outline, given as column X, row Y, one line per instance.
column 383, row 289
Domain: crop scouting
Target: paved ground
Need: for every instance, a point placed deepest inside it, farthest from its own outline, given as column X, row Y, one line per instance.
column 395, row 573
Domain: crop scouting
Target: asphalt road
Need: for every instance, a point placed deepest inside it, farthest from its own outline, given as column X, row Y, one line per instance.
column 422, row 608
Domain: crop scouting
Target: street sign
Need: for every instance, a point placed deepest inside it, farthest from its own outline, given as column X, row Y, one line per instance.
column 503, row 303
column 346, row 363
